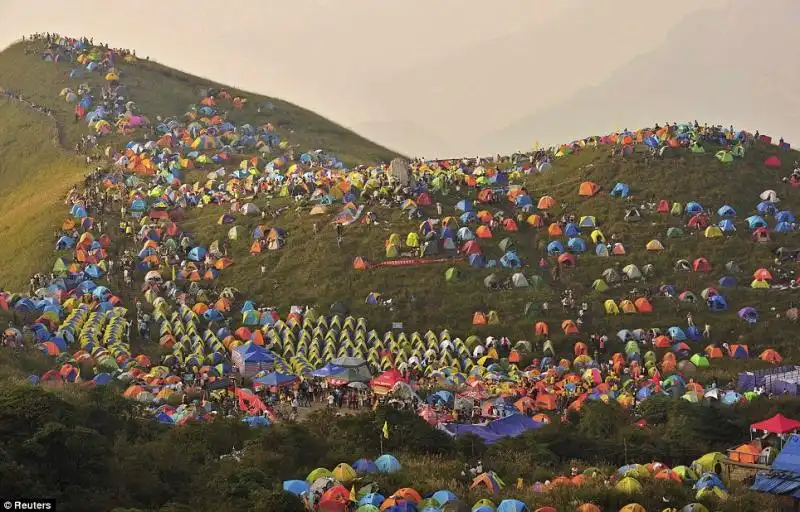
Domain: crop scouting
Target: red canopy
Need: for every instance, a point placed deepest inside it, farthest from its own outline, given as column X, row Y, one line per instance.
column 388, row 379
column 778, row 424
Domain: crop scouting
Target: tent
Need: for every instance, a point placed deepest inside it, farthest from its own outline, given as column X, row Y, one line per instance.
column 772, row 162
column 588, row 189
column 778, row 424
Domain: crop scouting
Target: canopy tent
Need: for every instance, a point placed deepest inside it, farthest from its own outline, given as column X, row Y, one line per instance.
column 778, row 424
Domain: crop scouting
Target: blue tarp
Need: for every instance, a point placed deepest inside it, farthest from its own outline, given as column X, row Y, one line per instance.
column 510, row 426
column 784, row 477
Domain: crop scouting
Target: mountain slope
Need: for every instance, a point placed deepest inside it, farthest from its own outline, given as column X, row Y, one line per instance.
column 36, row 173
column 160, row 90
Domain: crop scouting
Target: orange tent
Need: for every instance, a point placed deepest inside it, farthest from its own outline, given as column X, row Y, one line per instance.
column 643, row 305
column 554, row 229
column 713, row 352
column 542, row 329
column 479, row 318
column 546, row 401
column 483, row 232
column 746, row 453
column 771, row 355
column 588, row 189
column 569, row 327
column 546, row 202
column 359, row 263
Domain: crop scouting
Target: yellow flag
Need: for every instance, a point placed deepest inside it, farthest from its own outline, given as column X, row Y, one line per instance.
column 173, row 273
column 385, row 430
column 353, row 496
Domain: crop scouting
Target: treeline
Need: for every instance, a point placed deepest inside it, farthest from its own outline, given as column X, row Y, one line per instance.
column 94, row 450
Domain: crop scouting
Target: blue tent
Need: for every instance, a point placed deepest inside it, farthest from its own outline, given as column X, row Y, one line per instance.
column 372, row 498
column 571, row 230
column 512, row 506
column 727, row 282
column 783, row 227
column 755, row 222
column 252, row 353
column 327, row 370
column 784, row 475
column 510, row 426
column 275, row 379
column 197, row 254
column 510, row 260
column 523, row 200
column 620, row 190
column 785, row 216
column 65, row 242
column 466, row 218
column 296, row 487
column 766, row 207
column 676, row 333
column 576, row 245
column 365, row 467
column 718, row 303
column 476, row 260
column 727, row 225
column 693, row 207
column 465, row 205
column 387, row 464
column 726, row 211
column 555, row 247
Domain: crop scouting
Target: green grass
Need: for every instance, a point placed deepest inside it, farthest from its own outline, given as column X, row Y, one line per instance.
column 35, row 175
column 313, row 270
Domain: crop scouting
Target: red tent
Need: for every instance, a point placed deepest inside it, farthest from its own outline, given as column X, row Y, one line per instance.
column 384, row 382
column 773, row 162
column 778, row 424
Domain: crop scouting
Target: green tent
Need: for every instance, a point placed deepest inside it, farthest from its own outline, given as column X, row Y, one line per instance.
column 697, row 148
column 451, row 274
column 700, row 361
column 60, row 265
column 724, row 156
column 674, row 232
column 599, row 285
column 506, row 245
column 236, row 233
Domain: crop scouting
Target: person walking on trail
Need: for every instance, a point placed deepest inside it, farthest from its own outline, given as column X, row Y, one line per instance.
column 339, row 234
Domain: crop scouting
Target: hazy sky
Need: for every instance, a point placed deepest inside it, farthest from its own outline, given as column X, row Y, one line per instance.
column 439, row 78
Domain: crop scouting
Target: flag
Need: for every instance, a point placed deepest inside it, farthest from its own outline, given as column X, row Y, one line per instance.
column 353, row 496
column 385, row 430
column 173, row 273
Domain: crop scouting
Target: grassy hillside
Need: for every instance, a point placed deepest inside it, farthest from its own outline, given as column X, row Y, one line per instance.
column 35, row 175
column 311, row 269
column 159, row 90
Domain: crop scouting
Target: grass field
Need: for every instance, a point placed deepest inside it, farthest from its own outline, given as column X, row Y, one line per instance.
column 35, row 175
column 313, row 270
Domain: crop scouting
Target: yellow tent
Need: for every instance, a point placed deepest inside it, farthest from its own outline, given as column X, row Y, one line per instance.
column 611, row 307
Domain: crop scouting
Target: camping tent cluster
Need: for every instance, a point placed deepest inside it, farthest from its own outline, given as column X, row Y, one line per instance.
column 348, row 487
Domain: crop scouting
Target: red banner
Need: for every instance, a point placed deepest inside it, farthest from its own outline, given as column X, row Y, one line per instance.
column 414, row 261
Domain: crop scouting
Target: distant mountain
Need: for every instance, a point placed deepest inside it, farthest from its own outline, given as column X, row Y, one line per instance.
column 716, row 66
